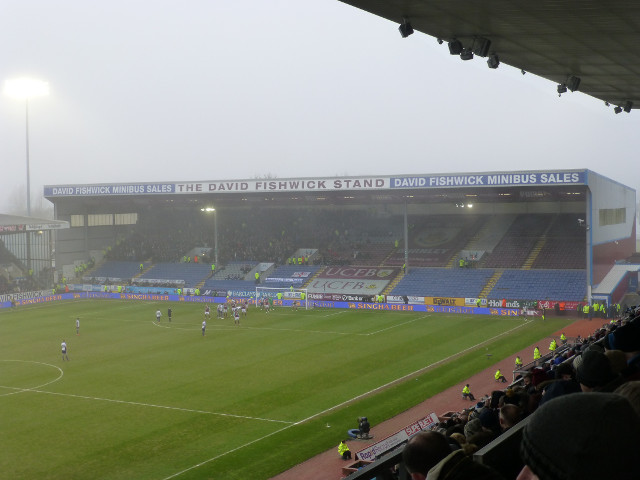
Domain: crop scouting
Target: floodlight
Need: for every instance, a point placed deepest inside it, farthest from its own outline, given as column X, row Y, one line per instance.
column 455, row 47
column 25, row 88
column 493, row 61
column 522, row 71
column 606, row 104
column 617, row 109
column 573, row 83
column 628, row 106
column 562, row 88
column 440, row 41
column 405, row 28
column 481, row 46
column 466, row 54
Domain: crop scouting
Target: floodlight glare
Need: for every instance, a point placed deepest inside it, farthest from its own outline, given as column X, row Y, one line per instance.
column 25, row 88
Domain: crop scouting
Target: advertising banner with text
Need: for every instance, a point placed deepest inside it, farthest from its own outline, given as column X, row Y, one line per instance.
column 448, row 301
column 386, row 444
column 10, row 302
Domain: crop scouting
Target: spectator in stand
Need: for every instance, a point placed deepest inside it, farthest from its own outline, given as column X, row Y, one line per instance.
column 627, row 340
column 631, row 391
column 510, row 415
column 561, row 441
column 429, row 455
column 593, row 371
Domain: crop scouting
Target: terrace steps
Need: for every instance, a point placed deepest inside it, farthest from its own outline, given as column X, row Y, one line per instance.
column 308, row 282
column 491, row 283
column 393, row 283
column 535, row 251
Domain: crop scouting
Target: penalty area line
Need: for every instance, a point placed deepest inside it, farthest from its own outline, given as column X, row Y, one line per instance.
column 398, row 325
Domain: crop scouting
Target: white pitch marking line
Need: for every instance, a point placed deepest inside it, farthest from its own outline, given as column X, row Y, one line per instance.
column 19, row 390
column 342, row 404
column 125, row 402
column 398, row 325
column 329, row 332
column 302, row 331
column 408, row 375
column 226, row 453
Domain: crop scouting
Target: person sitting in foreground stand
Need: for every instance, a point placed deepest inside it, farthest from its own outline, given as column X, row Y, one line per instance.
column 428, row 456
column 343, row 450
column 562, row 440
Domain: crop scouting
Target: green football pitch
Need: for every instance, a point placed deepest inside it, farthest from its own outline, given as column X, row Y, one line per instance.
column 141, row 400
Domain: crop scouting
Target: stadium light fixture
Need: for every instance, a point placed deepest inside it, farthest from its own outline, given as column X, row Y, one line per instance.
column 25, row 89
column 628, row 106
column 493, row 61
column 215, row 231
column 455, row 47
column 481, row 46
column 617, row 110
column 562, row 88
column 573, row 83
column 405, row 28
column 466, row 54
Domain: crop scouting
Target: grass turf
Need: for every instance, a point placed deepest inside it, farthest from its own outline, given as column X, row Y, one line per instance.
column 148, row 401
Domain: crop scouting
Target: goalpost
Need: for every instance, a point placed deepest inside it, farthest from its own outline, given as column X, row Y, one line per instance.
column 294, row 294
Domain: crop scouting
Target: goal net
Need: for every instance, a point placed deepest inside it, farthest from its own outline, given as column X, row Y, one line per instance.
column 286, row 295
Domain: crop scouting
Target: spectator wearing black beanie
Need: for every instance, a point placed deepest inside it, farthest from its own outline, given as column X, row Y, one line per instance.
column 582, row 436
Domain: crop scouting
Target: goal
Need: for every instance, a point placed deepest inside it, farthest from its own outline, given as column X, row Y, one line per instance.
column 286, row 294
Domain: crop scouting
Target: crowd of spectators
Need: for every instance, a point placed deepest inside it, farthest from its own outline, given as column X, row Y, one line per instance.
column 584, row 415
column 257, row 234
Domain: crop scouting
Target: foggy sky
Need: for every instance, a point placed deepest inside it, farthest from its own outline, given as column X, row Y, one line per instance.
column 216, row 89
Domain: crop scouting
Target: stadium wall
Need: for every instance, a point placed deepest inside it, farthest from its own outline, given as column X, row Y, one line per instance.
column 611, row 223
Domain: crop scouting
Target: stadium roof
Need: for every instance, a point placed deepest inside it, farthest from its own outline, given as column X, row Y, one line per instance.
column 479, row 187
column 17, row 224
column 593, row 40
